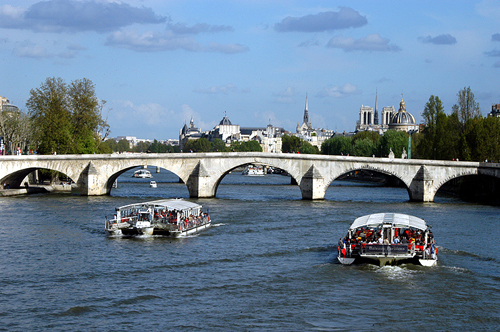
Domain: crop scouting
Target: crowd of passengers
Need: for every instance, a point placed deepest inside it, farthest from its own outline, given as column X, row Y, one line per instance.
column 166, row 216
column 188, row 222
column 371, row 236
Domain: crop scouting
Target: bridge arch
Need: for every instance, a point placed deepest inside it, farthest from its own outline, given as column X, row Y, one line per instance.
column 16, row 179
column 224, row 171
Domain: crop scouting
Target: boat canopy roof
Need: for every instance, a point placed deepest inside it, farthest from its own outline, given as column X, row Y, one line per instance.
column 398, row 220
column 170, row 204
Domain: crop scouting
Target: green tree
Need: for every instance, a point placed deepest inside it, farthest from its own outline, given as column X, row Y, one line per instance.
column 434, row 121
column 67, row 118
column 290, row 143
column 466, row 107
column 395, row 140
column 338, row 145
column 197, row 145
column 218, row 146
column 247, row 146
column 364, row 147
column 48, row 107
column 141, row 147
column 122, row 145
column 308, row 148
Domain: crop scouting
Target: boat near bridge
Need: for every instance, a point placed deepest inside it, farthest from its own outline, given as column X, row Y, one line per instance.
column 174, row 218
column 388, row 238
column 142, row 173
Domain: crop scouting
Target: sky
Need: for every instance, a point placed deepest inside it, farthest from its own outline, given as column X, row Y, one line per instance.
column 159, row 63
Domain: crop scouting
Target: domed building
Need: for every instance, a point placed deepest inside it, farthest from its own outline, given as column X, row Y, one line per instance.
column 187, row 134
column 226, row 131
column 403, row 120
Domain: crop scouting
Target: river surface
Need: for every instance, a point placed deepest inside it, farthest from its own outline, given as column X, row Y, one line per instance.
column 268, row 264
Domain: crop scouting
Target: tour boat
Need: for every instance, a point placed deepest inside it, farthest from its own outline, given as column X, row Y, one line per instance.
column 142, row 173
column 175, row 218
column 153, row 184
column 252, row 170
column 388, row 238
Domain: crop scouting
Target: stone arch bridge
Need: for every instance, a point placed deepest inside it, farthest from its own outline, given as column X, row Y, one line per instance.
column 203, row 172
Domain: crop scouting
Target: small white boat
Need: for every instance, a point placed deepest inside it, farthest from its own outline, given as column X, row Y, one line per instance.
column 252, row 170
column 175, row 218
column 153, row 184
column 142, row 173
column 388, row 238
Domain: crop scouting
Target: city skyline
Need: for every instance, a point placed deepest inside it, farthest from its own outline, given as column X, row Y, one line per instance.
column 157, row 64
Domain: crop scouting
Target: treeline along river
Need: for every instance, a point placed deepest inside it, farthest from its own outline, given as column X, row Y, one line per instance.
column 268, row 264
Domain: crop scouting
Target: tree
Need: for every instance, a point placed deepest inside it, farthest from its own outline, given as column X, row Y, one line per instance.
column 67, row 118
column 197, row 145
column 290, row 144
column 395, row 140
column 308, row 148
column 123, row 145
column 247, row 146
column 434, row 118
column 48, row 107
column 218, row 146
column 141, row 147
column 16, row 129
column 466, row 108
column 338, row 145
column 364, row 147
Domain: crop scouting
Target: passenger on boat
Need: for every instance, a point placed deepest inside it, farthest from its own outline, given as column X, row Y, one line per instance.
column 396, row 240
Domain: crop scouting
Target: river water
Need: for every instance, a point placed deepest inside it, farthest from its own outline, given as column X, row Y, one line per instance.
column 268, row 264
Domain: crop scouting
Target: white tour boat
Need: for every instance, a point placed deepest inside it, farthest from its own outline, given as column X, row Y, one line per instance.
column 153, row 184
column 142, row 173
column 388, row 238
column 252, row 170
column 175, row 218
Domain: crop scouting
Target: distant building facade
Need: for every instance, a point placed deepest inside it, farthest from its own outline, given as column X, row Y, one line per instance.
column 495, row 111
column 390, row 119
column 188, row 133
column 306, row 131
column 305, row 128
column 5, row 105
column 403, row 120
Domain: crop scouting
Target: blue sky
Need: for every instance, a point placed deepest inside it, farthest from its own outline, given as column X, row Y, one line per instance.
column 158, row 63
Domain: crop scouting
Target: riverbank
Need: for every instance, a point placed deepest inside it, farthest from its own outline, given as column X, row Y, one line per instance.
column 37, row 189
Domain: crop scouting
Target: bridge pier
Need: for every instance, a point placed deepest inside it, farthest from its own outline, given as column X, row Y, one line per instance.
column 312, row 185
column 90, row 182
column 200, row 183
column 421, row 187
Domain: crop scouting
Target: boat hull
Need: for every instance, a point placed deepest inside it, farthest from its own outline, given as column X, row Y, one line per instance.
column 428, row 262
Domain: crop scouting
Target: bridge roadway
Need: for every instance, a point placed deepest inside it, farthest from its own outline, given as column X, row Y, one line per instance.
column 203, row 172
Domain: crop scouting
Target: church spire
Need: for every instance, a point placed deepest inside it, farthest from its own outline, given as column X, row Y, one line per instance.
column 306, row 114
column 375, row 120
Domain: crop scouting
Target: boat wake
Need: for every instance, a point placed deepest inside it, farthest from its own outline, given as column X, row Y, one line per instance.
column 217, row 225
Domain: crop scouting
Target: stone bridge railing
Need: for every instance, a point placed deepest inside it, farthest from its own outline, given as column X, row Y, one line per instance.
column 203, row 172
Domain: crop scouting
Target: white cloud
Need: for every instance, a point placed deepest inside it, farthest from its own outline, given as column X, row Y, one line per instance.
column 32, row 51
column 226, row 48
column 166, row 41
column 489, row 8
column 324, row 21
column 225, row 89
column 371, row 42
column 74, row 16
column 339, row 91
column 181, row 28
column 445, row 39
